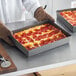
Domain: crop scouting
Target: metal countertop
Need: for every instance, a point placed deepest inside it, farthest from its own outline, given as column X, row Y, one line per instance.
column 60, row 54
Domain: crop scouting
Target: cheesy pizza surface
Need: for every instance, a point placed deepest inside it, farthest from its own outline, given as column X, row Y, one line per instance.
column 38, row 36
column 70, row 16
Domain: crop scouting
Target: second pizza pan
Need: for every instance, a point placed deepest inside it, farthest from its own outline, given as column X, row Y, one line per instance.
column 61, row 20
column 42, row 48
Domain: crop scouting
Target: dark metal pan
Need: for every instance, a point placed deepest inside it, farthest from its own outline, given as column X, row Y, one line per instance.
column 63, row 21
column 42, row 48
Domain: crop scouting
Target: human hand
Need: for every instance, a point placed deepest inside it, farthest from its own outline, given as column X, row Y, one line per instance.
column 41, row 15
column 4, row 33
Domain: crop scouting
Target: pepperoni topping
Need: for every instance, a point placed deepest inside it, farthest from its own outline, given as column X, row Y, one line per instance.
column 16, row 36
column 41, row 36
column 36, row 45
column 24, row 35
column 70, row 16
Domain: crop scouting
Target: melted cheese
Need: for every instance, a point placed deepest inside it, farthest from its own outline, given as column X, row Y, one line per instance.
column 31, row 44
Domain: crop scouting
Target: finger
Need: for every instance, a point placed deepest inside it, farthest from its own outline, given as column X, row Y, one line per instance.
column 7, row 40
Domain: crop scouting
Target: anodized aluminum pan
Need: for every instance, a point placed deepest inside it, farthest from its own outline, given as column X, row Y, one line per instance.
column 61, row 20
column 42, row 48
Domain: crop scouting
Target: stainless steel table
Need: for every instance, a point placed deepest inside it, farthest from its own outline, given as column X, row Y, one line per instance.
column 60, row 54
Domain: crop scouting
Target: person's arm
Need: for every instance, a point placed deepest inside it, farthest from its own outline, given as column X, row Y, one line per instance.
column 31, row 5
column 4, row 33
column 37, row 10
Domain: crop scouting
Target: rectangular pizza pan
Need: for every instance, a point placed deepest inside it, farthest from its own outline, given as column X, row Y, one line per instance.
column 61, row 20
column 42, row 48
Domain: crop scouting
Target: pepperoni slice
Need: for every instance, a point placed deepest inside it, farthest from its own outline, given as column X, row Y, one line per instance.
column 19, row 39
column 50, row 34
column 36, row 45
column 28, row 34
column 34, row 36
column 48, row 40
column 59, row 38
column 37, row 32
column 54, row 38
column 50, row 27
column 56, row 31
column 44, row 36
column 51, row 40
column 74, row 11
column 44, row 29
column 36, row 29
column 61, row 13
column 31, row 40
column 32, row 48
column 62, row 35
column 34, row 33
column 40, row 37
column 74, row 25
column 16, row 36
column 42, row 42
column 24, row 35
column 23, row 42
column 37, row 39
column 28, row 47
column 28, row 38
column 53, row 32
column 47, row 24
